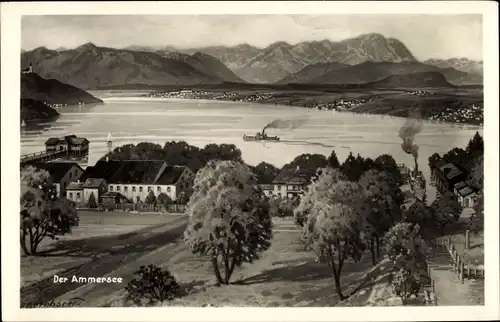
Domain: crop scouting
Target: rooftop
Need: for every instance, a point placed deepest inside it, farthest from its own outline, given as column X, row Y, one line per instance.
column 450, row 170
column 170, row 175
column 466, row 191
column 75, row 186
column 93, row 183
column 70, row 139
column 57, row 170
column 295, row 176
column 460, row 185
column 125, row 171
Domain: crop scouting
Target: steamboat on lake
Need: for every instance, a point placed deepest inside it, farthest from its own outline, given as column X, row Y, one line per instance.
column 260, row 136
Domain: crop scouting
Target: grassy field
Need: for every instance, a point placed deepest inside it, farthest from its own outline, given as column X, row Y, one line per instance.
column 285, row 275
column 55, row 257
column 474, row 256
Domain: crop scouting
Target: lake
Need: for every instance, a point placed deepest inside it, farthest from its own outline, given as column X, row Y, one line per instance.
column 134, row 119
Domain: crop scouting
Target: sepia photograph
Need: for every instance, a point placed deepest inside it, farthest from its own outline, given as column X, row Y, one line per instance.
column 180, row 159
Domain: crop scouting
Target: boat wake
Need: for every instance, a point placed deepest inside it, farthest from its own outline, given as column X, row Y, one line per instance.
column 314, row 143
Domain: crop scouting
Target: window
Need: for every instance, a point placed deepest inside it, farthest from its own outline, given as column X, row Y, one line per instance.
column 125, row 189
column 140, row 189
column 133, row 188
column 279, row 187
column 168, row 189
column 70, row 195
column 77, row 195
column 279, row 194
column 138, row 199
column 158, row 189
column 149, row 189
column 70, row 175
column 118, row 188
column 110, row 188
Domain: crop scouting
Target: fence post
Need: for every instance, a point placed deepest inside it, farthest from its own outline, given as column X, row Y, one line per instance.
column 462, row 267
column 467, row 239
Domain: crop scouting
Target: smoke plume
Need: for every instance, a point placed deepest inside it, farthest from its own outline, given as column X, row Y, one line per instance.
column 407, row 132
column 285, row 124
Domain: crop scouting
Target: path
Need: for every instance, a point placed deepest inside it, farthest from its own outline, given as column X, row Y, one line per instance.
column 119, row 251
column 449, row 290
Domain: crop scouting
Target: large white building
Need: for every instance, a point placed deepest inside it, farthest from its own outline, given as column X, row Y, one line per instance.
column 136, row 179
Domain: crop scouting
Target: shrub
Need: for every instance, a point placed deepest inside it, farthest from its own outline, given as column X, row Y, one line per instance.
column 405, row 284
column 152, row 284
column 92, row 203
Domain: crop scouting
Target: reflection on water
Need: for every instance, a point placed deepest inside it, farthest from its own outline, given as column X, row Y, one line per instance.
column 159, row 121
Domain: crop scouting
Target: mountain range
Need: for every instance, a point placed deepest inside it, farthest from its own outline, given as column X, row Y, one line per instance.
column 362, row 59
column 367, row 72
column 90, row 66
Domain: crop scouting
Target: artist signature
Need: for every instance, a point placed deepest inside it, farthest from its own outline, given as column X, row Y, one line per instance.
column 72, row 302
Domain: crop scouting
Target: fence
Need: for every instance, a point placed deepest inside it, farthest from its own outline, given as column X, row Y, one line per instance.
column 136, row 207
column 430, row 290
column 459, row 267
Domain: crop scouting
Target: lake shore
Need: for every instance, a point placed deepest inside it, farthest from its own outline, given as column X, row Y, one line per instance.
column 464, row 106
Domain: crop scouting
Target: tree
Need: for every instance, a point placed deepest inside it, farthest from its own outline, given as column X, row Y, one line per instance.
column 353, row 167
column 281, row 207
column 150, row 198
column 434, row 159
column 163, row 199
column 407, row 250
column 421, row 214
column 42, row 213
column 328, row 177
column 476, row 144
column 332, row 222
column 92, row 203
column 477, row 172
column 229, row 217
column 333, row 161
column 382, row 193
column 446, row 210
column 265, row 172
column 386, row 162
column 307, row 161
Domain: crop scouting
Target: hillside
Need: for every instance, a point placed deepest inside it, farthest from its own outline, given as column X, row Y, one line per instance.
column 461, row 64
column 34, row 110
column 206, row 64
column 51, row 91
column 369, row 72
column 414, row 80
column 278, row 60
column 311, row 72
column 89, row 66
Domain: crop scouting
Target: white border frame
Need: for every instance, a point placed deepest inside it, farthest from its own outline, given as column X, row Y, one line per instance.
column 10, row 66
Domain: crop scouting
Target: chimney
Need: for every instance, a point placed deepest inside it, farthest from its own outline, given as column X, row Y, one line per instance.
column 107, row 158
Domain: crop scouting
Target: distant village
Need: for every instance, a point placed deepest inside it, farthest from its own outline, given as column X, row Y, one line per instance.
column 124, row 182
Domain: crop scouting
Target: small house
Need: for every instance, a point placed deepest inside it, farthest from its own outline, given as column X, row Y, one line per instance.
column 447, row 175
column 72, row 144
column 95, row 186
column 74, row 192
column 61, row 174
column 291, row 183
column 467, row 197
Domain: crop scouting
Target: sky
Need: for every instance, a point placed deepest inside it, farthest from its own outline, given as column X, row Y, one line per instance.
column 426, row 36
